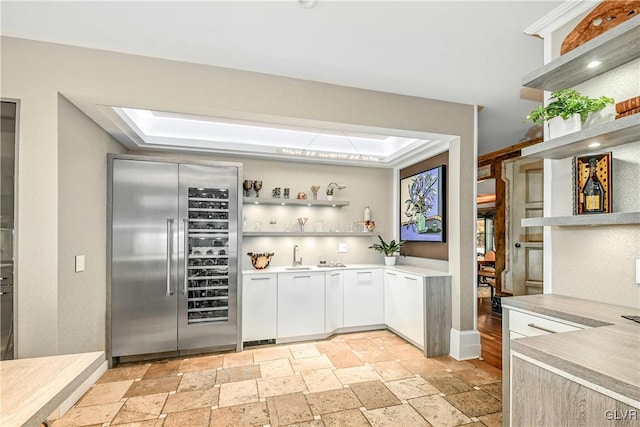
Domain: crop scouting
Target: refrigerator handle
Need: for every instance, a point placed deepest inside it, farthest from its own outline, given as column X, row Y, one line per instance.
column 169, row 245
column 186, row 254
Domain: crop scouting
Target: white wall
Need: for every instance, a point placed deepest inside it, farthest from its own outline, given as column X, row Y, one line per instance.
column 37, row 72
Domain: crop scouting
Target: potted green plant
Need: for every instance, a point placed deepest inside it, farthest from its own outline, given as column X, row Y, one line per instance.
column 329, row 193
column 388, row 249
column 566, row 111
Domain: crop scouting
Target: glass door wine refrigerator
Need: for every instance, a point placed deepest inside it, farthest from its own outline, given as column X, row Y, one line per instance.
column 174, row 265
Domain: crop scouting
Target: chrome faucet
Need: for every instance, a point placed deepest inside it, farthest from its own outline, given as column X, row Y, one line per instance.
column 297, row 259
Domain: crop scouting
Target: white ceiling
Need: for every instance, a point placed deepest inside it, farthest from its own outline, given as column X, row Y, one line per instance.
column 470, row 52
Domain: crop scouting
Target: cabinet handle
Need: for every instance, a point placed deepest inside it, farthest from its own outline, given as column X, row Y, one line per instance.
column 169, row 246
column 259, row 278
column 411, row 278
column 301, row 277
column 391, row 274
column 186, row 255
column 533, row 325
column 335, row 275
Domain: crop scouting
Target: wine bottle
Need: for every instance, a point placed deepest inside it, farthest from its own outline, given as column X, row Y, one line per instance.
column 593, row 191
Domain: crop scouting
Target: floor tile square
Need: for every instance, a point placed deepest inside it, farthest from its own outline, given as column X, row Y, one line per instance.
column 423, row 366
column 238, row 393
column 124, row 372
column 374, row 395
column 191, row 418
column 197, row 380
column 447, row 383
column 232, row 360
column 250, row 414
column 311, row 363
column 494, row 389
column 411, row 388
column 345, row 360
column 276, row 368
column 238, row 373
column 271, row 353
column 332, row 401
column 96, row 414
column 364, row 344
column 300, row 351
column 201, row 363
column 492, row 420
column 105, row 393
column 321, row 380
column 282, row 385
column 153, row 386
column 475, row 376
column 438, row 411
column 288, row 409
column 141, row 408
column 349, row 418
column 191, row 400
column 405, row 351
column 375, row 356
column 395, row 416
column 391, row 370
column 165, row 368
column 455, row 365
column 475, row 403
column 357, row 374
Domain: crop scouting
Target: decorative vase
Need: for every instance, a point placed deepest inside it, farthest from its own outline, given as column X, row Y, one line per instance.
column 559, row 127
column 422, row 223
column 329, row 196
column 389, row 260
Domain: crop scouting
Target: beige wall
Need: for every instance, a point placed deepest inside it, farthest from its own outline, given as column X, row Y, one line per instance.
column 82, row 179
column 36, row 73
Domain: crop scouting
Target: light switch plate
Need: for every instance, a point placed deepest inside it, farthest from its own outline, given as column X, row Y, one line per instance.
column 342, row 248
column 79, row 263
column 638, row 271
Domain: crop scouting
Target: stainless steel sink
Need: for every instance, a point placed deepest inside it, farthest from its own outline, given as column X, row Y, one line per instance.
column 297, row 268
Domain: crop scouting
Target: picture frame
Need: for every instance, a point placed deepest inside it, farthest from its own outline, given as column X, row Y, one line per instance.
column 423, row 206
column 581, row 171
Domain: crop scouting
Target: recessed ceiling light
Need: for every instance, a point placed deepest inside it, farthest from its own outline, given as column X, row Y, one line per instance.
column 594, row 64
column 594, row 145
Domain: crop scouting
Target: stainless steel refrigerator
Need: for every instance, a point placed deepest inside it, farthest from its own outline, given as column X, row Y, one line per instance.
column 174, row 269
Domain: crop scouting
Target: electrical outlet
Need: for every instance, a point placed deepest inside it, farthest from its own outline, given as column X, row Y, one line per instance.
column 79, row 263
column 342, row 248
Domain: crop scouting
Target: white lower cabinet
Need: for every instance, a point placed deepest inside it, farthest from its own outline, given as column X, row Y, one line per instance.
column 404, row 304
column 301, row 304
column 363, row 297
column 334, row 311
column 259, row 306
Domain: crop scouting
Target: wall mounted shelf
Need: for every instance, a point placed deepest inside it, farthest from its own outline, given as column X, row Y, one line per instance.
column 307, row 234
column 613, row 48
column 610, row 134
column 616, row 218
column 295, row 202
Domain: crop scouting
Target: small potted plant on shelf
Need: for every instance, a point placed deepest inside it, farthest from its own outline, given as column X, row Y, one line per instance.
column 388, row 249
column 329, row 193
column 566, row 111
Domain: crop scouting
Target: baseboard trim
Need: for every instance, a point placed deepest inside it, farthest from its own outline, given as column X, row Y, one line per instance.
column 465, row 345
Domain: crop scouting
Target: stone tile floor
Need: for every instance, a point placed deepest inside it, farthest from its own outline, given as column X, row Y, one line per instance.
column 361, row 379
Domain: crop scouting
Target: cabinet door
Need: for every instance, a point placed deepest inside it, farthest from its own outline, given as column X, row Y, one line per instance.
column 300, row 304
column 392, row 303
column 335, row 293
column 411, row 314
column 259, row 307
column 363, row 297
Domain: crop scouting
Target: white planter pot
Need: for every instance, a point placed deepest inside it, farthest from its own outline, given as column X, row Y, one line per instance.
column 389, row 260
column 559, row 127
column 329, row 197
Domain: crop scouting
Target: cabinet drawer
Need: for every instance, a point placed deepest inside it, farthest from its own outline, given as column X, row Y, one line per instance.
column 530, row 325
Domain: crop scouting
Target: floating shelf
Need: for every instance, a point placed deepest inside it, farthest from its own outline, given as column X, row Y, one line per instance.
column 294, row 202
column 613, row 48
column 610, row 134
column 617, row 218
column 307, row 234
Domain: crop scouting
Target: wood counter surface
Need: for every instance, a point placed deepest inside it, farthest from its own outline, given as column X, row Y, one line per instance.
column 605, row 354
column 31, row 389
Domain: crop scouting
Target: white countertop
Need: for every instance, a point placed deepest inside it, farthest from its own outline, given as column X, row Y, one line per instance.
column 421, row 271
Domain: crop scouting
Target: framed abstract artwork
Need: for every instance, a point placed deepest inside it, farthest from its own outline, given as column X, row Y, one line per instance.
column 422, row 206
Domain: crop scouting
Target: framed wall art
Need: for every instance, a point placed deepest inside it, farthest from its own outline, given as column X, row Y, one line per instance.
column 592, row 184
column 422, row 206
